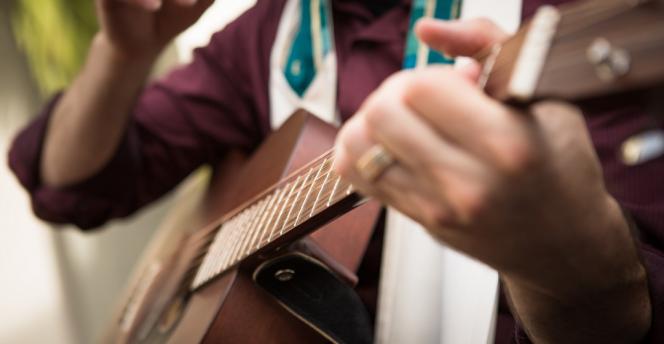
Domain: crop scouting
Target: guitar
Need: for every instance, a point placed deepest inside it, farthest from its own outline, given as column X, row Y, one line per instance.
column 199, row 285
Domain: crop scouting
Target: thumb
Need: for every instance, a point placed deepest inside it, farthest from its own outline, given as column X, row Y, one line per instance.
column 461, row 37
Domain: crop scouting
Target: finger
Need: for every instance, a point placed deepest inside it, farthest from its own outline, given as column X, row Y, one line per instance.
column 353, row 143
column 401, row 189
column 458, row 110
column 470, row 69
column 459, row 38
column 413, row 141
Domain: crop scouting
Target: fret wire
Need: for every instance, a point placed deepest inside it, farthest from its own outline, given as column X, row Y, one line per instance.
column 221, row 245
column 251, row 229
column 325, row 206
column 244, row 234
column 312, row 181
column 336, row 184
column 297, row 198
column 306, row 197
column 341, row 196
column 327, row 176
column 214, row 254
column 237, row 238
column 306, row 205
column 349, row 190
column 230, row 238
column 281, row 212
column 207, row 258
column 301, row 171
column 254, row 227
column 242, row 222
column 270, row 223
column 242, row 217
column 261, row 222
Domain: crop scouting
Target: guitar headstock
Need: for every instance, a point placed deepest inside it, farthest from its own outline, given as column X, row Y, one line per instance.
column 580, row 51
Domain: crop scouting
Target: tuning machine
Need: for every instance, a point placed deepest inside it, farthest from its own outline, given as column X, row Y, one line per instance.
column 610, row 62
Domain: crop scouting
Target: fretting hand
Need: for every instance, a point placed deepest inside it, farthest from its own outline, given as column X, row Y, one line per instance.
column 520, row 191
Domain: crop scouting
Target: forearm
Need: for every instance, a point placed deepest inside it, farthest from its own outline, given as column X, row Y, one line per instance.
column 90, row 119
column 602, row 300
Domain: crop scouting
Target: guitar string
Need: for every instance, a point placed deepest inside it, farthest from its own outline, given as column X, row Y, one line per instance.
column 212, row 228
column 228, row 218
column 218, row 270
column 209, row 238
column 289, row 226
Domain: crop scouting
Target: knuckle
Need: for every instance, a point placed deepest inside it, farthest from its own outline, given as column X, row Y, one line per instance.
column 376, row 112
column 472, row 204
column 484, row 24
column 427, row 83
column 415, row 88
column 437, row 216
column 514, row 156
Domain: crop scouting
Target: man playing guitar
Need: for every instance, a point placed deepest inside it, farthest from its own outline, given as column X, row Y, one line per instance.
column 524, row 191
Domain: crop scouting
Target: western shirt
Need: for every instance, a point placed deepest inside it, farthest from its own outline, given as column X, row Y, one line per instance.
column 220, row 102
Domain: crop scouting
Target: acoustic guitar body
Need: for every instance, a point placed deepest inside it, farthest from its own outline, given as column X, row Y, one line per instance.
column 232, row 308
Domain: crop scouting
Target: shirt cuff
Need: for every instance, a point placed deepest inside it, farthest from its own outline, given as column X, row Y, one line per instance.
column 87, row 204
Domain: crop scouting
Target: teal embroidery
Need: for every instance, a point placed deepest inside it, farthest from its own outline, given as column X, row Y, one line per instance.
column 313, row 39
column 312, row 42
column 439, row 9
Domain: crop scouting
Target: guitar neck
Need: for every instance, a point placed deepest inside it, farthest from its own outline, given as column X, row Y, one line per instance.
column 306, row 199
column 579, row 51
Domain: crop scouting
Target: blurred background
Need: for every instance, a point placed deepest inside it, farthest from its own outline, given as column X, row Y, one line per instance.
column 59, row 285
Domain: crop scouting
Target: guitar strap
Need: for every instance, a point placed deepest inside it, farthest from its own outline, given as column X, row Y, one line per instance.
column 315, row 294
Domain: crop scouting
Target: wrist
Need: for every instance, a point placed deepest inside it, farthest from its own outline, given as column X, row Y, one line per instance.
column 598, row 256
column 134, row 58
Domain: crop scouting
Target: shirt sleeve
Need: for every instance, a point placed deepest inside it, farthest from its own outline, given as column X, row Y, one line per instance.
column 191, row 117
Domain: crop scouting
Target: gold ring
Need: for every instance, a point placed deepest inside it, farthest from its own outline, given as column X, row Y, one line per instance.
column 374, row 162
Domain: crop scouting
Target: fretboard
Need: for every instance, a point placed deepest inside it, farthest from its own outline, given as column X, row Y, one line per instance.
column 301, row 197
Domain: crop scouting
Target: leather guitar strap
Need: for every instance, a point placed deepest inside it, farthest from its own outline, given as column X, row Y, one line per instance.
column 315, row 294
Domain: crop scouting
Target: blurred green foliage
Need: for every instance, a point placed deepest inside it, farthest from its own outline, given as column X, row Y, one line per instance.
column 54, row 35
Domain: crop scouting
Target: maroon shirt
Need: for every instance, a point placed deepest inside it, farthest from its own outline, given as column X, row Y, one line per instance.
column 220, row 102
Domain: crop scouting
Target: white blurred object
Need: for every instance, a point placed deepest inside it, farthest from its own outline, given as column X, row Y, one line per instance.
column 59, row 286
column 215, row 18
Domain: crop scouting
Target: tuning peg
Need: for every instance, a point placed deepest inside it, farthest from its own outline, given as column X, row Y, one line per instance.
column 610, row 62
